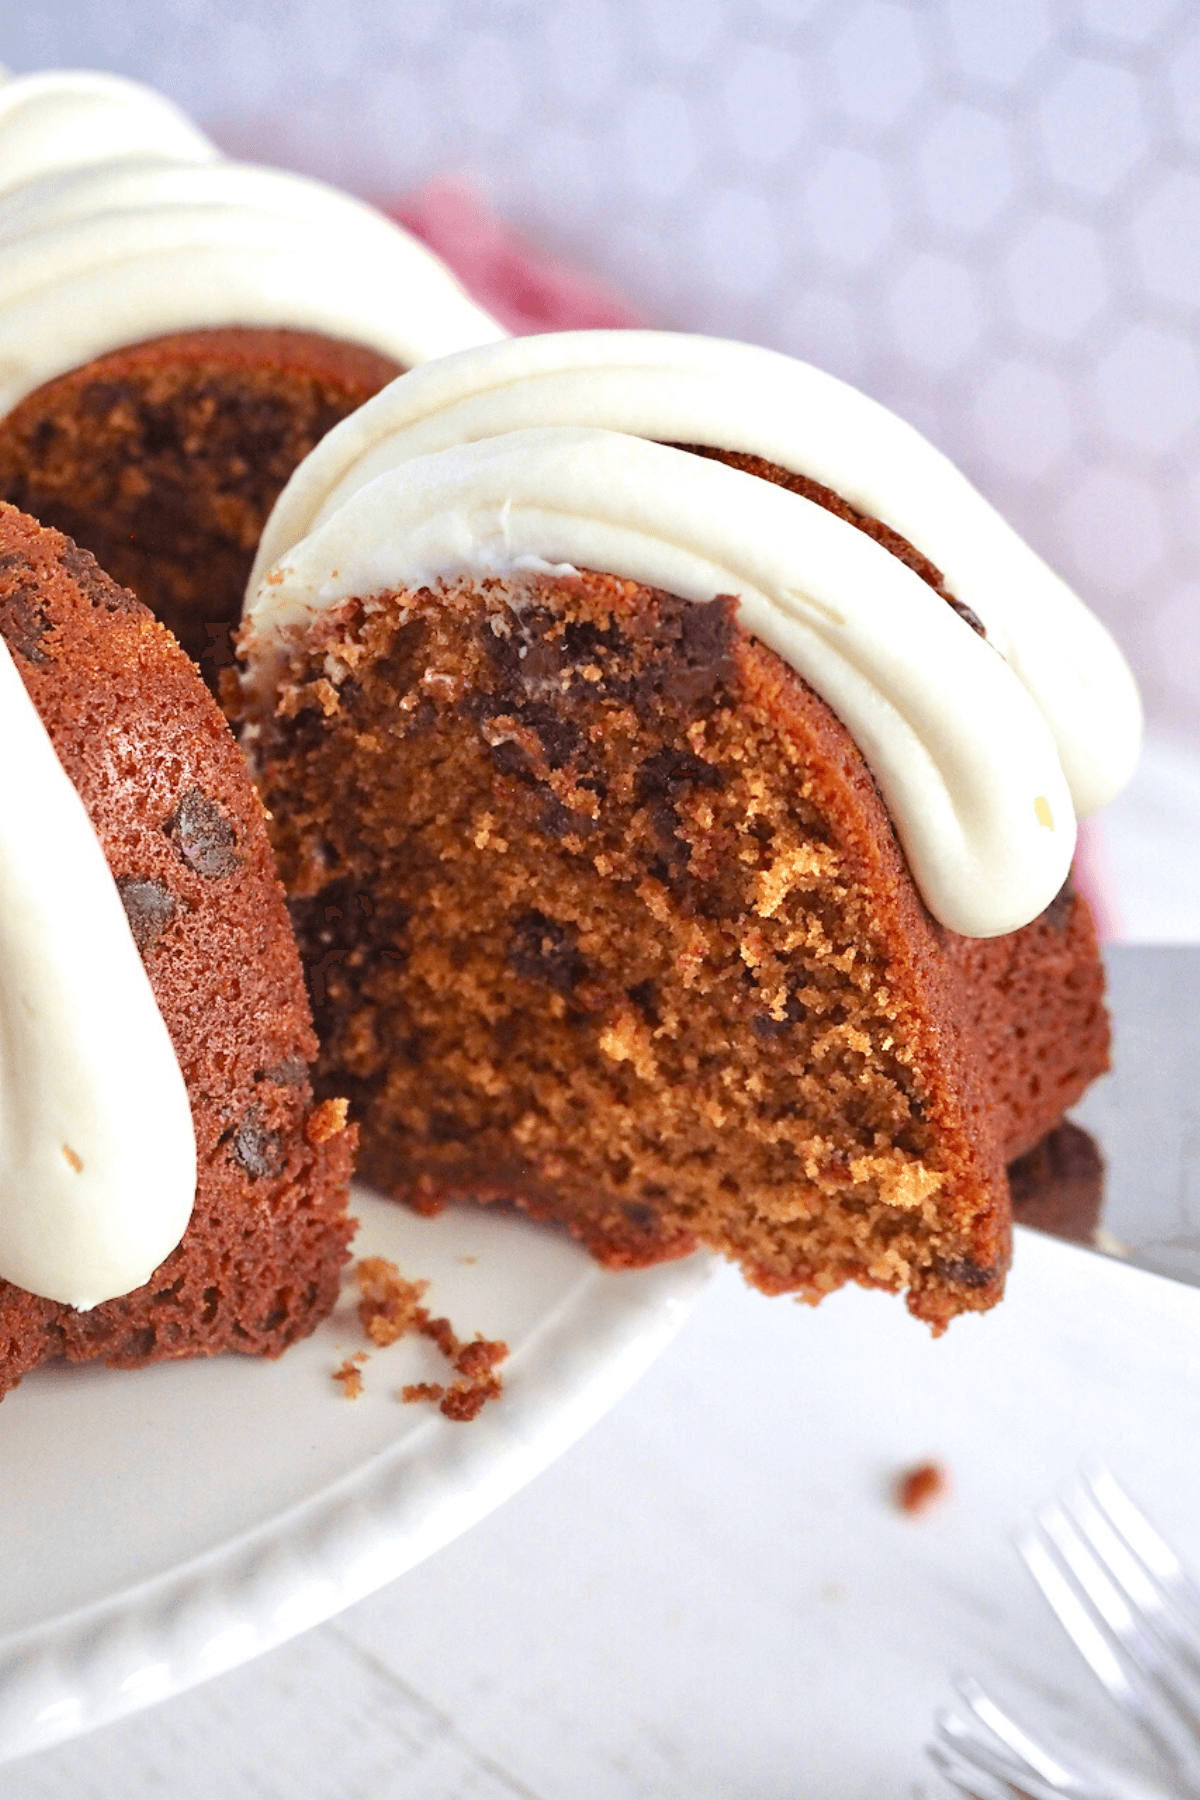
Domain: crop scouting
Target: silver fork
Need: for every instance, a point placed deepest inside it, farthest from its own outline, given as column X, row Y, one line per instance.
column 1132, row 1612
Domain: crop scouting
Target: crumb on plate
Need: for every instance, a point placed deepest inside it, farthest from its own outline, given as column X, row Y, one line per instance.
column 390, row 1308
column 350, row 1375
column 921, row 1487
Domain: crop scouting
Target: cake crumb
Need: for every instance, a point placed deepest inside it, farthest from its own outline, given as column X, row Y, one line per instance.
column 466, row 1399
column 391, row 1307
column 350, row 1375
column 327, row 1121
column 920, row 1488
column 441, row 1333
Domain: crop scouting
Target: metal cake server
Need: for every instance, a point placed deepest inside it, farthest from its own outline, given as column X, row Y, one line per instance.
column 1145, row 1115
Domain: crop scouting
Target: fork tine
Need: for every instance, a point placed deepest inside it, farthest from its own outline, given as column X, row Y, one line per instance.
column 1096, row 1581
column 1157, row 1556
column 1037, row 1760
column 970, row 1758
column 1147, row 1599
column 1134, row 1681
column 989, row 1743
column 1076, row 1620
column 967, row 1779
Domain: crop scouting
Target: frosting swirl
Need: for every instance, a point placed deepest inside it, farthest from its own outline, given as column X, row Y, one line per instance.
column 97, row 1150
column 119, row 222
column 533, row 453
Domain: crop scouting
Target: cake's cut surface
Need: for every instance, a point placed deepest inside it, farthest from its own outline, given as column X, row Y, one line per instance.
column 602, row 913
column 165, row 458
column 183, row 833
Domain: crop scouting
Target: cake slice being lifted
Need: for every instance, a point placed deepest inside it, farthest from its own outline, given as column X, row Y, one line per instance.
column 168, row 1186
column 673, row 765
column 179, row 330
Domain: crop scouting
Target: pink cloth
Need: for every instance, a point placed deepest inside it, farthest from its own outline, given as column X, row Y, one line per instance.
column 523, row 287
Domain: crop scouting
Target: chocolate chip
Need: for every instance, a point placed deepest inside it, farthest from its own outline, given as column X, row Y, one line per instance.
column 645, row 997
column 422, row 718
column 91, row 580
column 559, row 737
column 545, row 951
column 767, row 1028
column 703, row 660
column 671, row 773
column 968, row 1274
column 558, row 821
column 637, row 1214
column 258, row 1150
column 509, row 757
column 23, row 620
column 149, row 907
column 203, row 836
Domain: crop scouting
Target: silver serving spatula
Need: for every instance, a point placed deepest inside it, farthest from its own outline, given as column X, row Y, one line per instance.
column 1145, row 1115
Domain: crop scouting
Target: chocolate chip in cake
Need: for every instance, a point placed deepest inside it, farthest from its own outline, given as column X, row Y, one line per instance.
column 765, row 1027
column 91, row 580
column 149, row 907
column 703, row 656
column 259, row 1150
column 23, row 622
column 558, row 821
column 967, row 1273
column 639, row 1215
column 545, row 951
column 645, row 997
column 673, row 772
column 203, row 836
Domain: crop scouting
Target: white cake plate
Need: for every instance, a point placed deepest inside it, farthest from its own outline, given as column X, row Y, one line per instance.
column 163, row 1524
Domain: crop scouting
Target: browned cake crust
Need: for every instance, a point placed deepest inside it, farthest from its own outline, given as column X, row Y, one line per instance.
column 183, row 831
column 603, row 913
column 165, row 458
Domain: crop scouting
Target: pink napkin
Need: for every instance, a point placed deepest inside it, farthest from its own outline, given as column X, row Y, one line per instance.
column 529, row 291
column 524, row 288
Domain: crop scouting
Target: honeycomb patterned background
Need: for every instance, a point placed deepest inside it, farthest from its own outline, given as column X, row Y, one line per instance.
column 985, row 212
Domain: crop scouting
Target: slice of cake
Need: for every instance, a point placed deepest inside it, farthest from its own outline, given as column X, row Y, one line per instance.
column 168, row 1185
column 673, row 766
column 179, row 330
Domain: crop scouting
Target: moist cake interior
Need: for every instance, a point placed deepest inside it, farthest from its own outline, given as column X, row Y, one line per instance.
column 602, row 913
column 164, row 460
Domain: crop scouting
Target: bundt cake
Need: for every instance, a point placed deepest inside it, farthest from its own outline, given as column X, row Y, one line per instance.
column 179, row 330
column 168, row 1185
column 673, row 766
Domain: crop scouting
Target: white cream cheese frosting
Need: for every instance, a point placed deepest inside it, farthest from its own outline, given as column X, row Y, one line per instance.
column 681, row 389
column 97, row 1148
column 120, row 222
column 533, row 453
